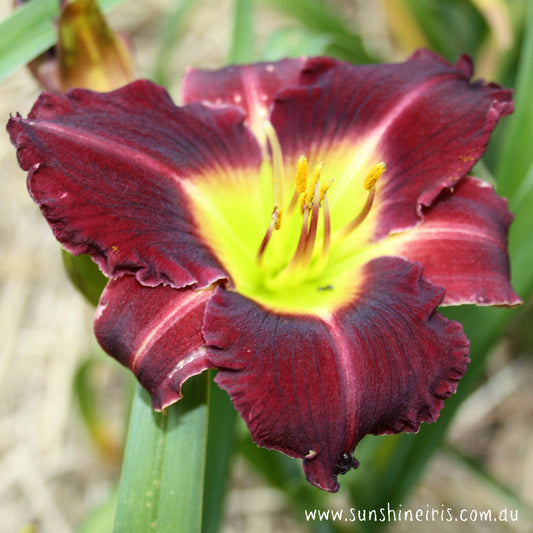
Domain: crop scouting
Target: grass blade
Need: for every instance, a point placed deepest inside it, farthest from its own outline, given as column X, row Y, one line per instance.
column 516, row 154
column 171, row 29
column 219, row 452
column 242, row 44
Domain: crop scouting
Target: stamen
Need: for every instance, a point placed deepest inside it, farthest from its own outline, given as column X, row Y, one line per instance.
column 321, row 263
column 371, row 179
column 312, row 195
column 375, row 173
column 324, row 188
column 326, row 241
column 311, row 186
column 277, row 214
column 294, row 202
column 302, row 242
column 301, row 174
column 314, row 205
column 362, row 214
column 326, row 238
column 275, row 223
column 310, row 207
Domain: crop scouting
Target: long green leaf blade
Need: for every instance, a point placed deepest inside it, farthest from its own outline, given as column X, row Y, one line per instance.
column 219, row 452
column 29, row 31
column 172, row 28
column 520, row 236
column 162, row 482
column 242, row 44
column 517, row 155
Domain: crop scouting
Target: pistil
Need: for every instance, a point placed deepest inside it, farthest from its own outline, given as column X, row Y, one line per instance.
column 277, row 188
column 277, row 164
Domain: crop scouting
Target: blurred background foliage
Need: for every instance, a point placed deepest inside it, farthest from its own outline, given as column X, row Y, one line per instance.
column 498, row 34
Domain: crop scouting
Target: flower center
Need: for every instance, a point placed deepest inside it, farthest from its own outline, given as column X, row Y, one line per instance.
column 309, row 205
column 293, row 235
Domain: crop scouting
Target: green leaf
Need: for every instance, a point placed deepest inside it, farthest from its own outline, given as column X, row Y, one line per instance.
column 171, row 29
column 242, row 44
column 91, row 412
column 436, row 18
column 85, row 275
column 520, row 244
column 516, row 154
column 322, row 19
column 162, row 483
column 100, row 519
column 29, row 31
column 219, row 453
column 295, row 42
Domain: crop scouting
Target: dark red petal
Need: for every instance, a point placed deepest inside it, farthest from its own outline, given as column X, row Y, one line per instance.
column 154, row 331
column 423, row 118
column 251, row 87
column 106, row 171
column 312, row 387
column 462, row 245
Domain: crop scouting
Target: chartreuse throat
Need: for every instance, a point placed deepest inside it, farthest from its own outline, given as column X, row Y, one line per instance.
column 291, row 237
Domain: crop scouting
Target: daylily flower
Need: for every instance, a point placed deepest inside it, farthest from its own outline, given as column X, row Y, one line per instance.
column 295, row 225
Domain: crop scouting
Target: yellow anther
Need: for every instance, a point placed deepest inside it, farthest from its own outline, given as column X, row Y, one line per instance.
column 276, row 217
column 324, row 189
column 301, row 174
column 301, row 203
column 311, row 185
column 375, row 173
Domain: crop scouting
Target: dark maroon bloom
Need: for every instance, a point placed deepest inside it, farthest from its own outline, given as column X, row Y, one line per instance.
column 295, row 225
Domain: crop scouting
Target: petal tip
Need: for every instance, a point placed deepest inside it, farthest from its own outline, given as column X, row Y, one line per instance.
column 465, row 65
column 322, row 472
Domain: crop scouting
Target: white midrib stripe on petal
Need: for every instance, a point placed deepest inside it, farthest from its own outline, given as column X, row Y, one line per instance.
column 171, row 315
